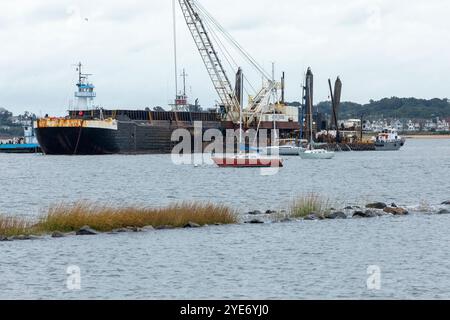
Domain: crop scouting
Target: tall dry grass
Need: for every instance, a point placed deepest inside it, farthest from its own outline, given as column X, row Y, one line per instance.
column 304, row 205
column 66, row 218
column 14, row 226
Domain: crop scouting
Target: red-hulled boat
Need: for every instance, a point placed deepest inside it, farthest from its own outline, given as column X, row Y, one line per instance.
column 247, row 161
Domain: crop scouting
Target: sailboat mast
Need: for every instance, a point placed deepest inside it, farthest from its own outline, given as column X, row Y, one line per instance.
column 175, row 54
column 310, row 116
column 241, row 102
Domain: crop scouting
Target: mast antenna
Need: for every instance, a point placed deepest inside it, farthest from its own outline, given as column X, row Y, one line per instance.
column 175, row 54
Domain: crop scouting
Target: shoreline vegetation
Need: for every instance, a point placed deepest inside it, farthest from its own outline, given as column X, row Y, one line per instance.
column 85, row 218
column 89, row 218
column 426, row 136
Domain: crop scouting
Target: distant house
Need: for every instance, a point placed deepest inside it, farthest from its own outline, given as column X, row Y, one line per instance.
column 398, row 125
column 442, row 125
column 430, row 125
column 412, row 126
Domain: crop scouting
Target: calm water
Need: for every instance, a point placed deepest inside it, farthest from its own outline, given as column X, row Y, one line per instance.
column 289, row 260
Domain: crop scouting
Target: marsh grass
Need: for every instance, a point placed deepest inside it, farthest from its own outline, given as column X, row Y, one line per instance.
column 67, row 218
column 14, row 226
column 304, row 205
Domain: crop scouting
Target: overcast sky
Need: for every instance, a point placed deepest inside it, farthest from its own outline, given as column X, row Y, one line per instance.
column 379, row 48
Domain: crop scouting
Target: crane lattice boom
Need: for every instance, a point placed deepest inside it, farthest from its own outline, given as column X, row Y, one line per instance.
column 211, row 59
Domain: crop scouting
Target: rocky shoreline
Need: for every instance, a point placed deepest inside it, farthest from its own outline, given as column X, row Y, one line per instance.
column 371, row 210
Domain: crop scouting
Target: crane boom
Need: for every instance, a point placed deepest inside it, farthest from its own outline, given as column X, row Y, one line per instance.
column 211, row 59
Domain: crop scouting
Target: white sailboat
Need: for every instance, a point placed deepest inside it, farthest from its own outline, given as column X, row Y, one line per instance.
column 282, row 147
column 310, row 153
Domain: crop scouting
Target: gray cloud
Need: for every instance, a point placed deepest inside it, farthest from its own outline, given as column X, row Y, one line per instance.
column 379, row 48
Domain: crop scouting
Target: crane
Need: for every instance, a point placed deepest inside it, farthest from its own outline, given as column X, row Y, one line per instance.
column 211, row 60
column 200, row 24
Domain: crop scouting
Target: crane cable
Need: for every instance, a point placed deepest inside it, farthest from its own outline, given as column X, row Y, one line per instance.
column 236, row 44
column 228, row 57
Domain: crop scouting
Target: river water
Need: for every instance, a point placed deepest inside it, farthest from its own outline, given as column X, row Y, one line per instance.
column 297, row 260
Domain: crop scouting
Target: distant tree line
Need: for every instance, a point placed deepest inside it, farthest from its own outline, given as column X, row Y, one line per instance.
column 400, row 108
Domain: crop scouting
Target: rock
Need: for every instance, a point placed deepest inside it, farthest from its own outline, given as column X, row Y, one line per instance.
column 446, row 203
column 164, row 227
column 192, row 225
column 58, row 234
column 376, row 205
column 135, row 229
column 21, row 237
column 311, row 217
column 348, row 208
column 365, row 214
column 393, row 205
column 86, row 231
column 255, row 213
column 255, row 221
column 336, row 215
column 149, row 228
column 120, row 230
column 396, row 211
column 443, row 211
column 4, row 239
column 270, row 212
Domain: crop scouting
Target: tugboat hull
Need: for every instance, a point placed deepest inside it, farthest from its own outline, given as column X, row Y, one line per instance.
column 388, row 146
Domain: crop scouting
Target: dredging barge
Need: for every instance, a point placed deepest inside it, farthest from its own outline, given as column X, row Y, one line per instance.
column 97, row 131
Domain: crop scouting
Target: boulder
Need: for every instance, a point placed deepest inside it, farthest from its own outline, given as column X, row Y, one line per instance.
column 376, row 205
column 255, row 213
column 58, row 234
column 255, row 221
column 86, row 231
column 149, row 228
column 120, row 230
column 443, row 211
column 393, row 205
column 446, row 203
column 192, row 225
column 348, row 208
column 396, row 211
column 336, row 215
column 270, row 212
column 21, row 237
column 135, row 229
column 365, row 214
column 164, row 227
column 314, row 216
column 3, row 239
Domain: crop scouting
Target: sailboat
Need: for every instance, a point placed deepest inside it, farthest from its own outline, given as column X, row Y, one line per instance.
column 282, row 147
column 310, row 152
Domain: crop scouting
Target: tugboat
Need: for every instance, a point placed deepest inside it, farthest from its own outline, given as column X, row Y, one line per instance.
column 389, row 140
column 26, row 144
